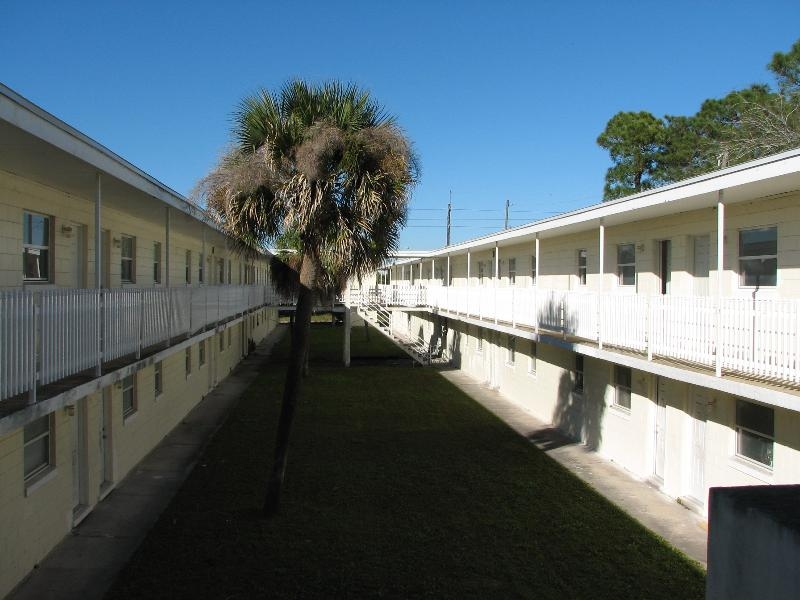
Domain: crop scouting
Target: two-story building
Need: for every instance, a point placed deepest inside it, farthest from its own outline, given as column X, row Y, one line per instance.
column 662, row 330
column 121, row 307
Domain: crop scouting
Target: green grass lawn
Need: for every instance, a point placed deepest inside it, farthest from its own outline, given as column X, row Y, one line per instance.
column 399, row 486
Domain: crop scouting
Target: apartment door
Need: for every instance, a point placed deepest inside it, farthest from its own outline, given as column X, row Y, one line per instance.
column 79, row 459
column 106, row 441
column 698, row 485
column 700, row 264
column 660, row 429
column 79, row 252
column 665, row 265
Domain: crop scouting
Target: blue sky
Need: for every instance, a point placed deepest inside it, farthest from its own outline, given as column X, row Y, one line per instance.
column 503, row 100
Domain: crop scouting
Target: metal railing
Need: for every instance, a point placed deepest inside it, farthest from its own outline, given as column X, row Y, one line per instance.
column 46, row 335
column 756, row 338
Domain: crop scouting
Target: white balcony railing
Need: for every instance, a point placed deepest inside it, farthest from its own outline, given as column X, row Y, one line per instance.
column 756, row 338
column 46, row 335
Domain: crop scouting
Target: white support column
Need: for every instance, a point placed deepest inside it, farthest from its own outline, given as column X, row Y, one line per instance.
column 98, row 268
column 601, row 284
column 469, row 276
column 720, row 272
column 347, row 326
column 536, row 285
column 447, row 283
column 496, row 278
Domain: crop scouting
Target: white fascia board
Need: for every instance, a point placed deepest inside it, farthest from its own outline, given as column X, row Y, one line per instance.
column 629, row 209
column 34, row 120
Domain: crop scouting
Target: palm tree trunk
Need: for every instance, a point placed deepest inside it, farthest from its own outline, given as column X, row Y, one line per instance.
column 291, row 391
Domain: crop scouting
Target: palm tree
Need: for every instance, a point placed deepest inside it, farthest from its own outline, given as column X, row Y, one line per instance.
column 326, row 166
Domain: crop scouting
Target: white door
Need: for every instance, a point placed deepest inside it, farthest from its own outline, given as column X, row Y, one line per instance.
column 79, row 458
column 665, row 266
column 700, row 261
column 660, row 429
column 698, row 490
column 106, row 441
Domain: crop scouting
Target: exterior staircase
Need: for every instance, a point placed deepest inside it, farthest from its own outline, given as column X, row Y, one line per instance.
column 371, row 309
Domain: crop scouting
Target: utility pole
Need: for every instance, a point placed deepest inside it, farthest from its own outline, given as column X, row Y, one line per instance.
column 508, row 204
column 449, row 208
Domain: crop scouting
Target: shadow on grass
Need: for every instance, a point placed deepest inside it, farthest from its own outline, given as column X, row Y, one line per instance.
column 399, row 486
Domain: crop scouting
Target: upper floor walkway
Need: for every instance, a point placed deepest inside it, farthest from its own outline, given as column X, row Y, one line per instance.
column 756, row 339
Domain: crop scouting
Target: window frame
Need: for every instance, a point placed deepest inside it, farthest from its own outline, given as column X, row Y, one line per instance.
column 742, row 258
column 187, row 365
column 579, row 382
column 200, row 268
column 129, row 260
column 188, row 273
column 156, row 263
column 50, row 221
column 740, row 428
column 623, row 384
column 512, row 271
column 583, row 261
column 158, row 379
column 621, row 265
column 49, row 464
column 532, row 358
column 129, row 385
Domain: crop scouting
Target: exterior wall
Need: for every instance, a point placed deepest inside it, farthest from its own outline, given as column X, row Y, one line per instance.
column 33, row 521
column 558, row 260
column 627, row 437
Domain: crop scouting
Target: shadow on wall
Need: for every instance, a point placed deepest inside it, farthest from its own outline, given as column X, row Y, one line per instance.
column 579, row 414
column 455, row 350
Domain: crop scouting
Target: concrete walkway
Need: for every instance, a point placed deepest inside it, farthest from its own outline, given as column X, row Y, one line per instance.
column 680, row 527
column 83, row 566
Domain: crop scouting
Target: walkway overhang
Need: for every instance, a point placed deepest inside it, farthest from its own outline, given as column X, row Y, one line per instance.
column 772, row 176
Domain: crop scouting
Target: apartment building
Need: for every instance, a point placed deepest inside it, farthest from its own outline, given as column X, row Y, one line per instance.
column 661, row 330
column 121, row 307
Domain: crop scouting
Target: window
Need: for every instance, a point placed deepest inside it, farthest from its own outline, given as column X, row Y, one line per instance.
column 38, row 446
column 158, row 379
column 512, row 350
column 200, row 260
column 188, row 358
column 582, row 254
column 578, row 373
column 755, row 432
column 221, row 270
column 532, row 360
column 512, row 271
column 622, row 387
column 128, row 395
column 534, row 269
column 201, row 353
column 128, row 253
column 758, row 257
column 156, row 262
column 35, row 247
column 229, row 337
column 188, row 276
column 626, row 264
column 229, row 271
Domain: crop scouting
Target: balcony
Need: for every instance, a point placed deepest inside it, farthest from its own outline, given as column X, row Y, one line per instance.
column 47, row 335
column 757, row 339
